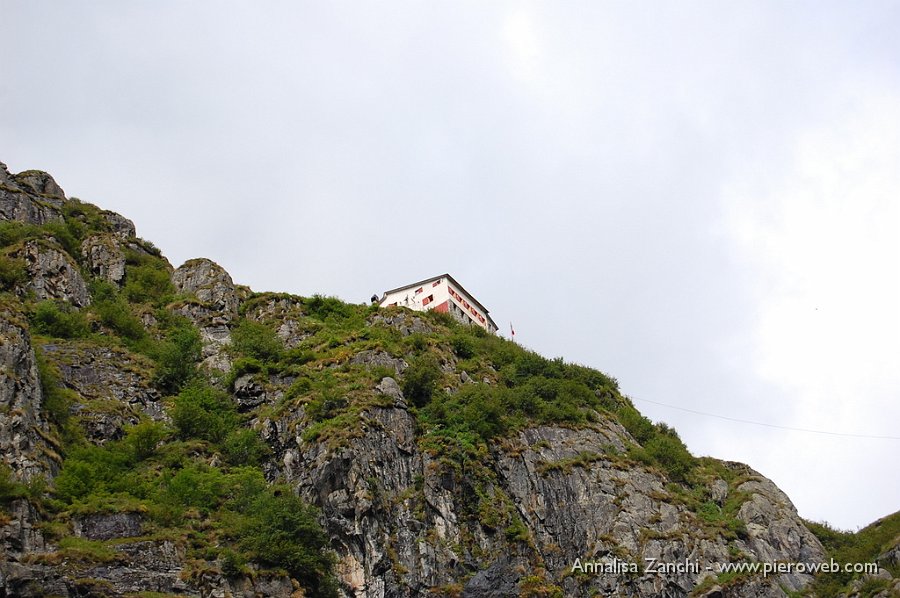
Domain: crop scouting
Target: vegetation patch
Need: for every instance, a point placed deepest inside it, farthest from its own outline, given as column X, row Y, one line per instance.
column 583, row 459
column 214, row 511
column 60, row 320
column 863, row 546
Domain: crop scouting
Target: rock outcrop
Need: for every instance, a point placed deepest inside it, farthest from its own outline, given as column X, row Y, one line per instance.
column 120, row 225
column 402, row 522
column 104, row 257
column 40, row 183
column 114, row 387
column 53, row 274
column 18, row 205
column 287, row 317
column 212, row 306
column 407, row 515
column 25, row 444
column 210, row 284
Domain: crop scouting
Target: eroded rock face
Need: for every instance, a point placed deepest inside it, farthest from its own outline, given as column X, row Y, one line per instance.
column 40, row 183
column 248, row 392
column 607, row 508
column 114, row 387
column 104, row 256
column 214, row 309
column 22, row 534
column 24, row 431
column 389, row 388
column 404, row 520
column 286, row 316
column 17, row 205
column 371, row 358
column 209, row 283
column 405, row 322
column 119, row 225
column 53, row 274
column 403, row 524
column 106, row 526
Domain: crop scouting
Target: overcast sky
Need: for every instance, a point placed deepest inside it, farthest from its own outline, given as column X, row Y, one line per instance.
column 701, row 199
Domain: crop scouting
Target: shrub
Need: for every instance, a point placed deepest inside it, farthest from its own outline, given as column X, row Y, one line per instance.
column 13, row 232
column 149, row 281
column 417, row 342
column 93, row 470
column 10, row 489
column 245, row 447
column 282, row 531
column 443, row 318
column 116, row 314
column 463, row 346
column 12, row 273
column 57, row 398
column 420, row 379
column 593, row 379
column 670, row 453
column 637, row 425
column 60, row 320
column 177, row 356
column 196, row 486
column 83, row 218
column 321, row 308
column 484, row 414
column 256, row 340
column 143, row 439
column 298, row 356
column 326, row 405
column 68, row 236
column 241, row 366
column 865, row 545
column 102, row 290
column 233, row 563
column 203, row 412
column 476, row 410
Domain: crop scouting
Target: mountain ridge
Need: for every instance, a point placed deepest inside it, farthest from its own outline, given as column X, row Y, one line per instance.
column 437, row 459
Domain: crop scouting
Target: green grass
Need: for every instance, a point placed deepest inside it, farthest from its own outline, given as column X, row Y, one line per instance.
column 59, row 319
column 863, row 546
column 198, row 480
column 214, row 510
column 82, row 549
column 12, row 272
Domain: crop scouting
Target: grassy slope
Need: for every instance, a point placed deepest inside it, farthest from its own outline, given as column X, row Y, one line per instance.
column 195, row 480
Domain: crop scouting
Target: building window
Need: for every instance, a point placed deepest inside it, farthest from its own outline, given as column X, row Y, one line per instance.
column 427, row 300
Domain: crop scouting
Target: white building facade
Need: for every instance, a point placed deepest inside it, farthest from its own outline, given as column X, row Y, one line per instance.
column 443, row 294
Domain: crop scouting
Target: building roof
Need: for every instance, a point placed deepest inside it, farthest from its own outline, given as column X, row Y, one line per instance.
column 455, row 282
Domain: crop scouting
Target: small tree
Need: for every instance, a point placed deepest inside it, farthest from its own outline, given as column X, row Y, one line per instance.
column 420, row 379
column 256, row 340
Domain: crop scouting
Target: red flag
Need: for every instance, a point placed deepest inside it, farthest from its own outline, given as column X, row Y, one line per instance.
column 511, row 329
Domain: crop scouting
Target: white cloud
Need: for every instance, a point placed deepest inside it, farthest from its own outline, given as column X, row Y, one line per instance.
column 522, row 44
column 822, row 243
column 344, row 149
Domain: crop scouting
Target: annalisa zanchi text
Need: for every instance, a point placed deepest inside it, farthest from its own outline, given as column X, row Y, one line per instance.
column 654, row 566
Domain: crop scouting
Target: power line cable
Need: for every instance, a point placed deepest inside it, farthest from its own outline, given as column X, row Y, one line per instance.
column 764, row 424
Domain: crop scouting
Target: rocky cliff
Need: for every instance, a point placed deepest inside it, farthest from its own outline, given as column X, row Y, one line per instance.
column 166, row 432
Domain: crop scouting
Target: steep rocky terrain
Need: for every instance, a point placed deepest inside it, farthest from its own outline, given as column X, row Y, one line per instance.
column 166, row 432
